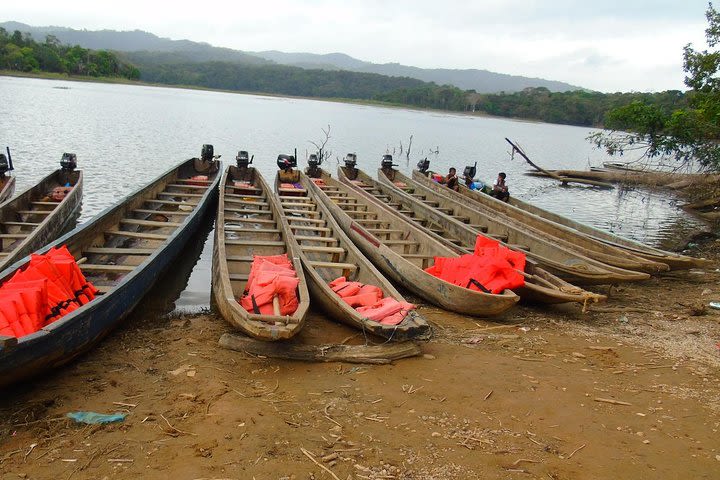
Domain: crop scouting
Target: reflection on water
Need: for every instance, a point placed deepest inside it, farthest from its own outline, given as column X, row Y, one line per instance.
column 125, row 135
column 185, row 288
column 647, row 215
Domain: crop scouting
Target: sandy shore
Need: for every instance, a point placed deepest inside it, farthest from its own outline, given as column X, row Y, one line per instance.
column 630, row 391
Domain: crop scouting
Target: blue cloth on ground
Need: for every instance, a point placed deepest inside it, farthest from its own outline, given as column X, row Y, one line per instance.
column 93, row 418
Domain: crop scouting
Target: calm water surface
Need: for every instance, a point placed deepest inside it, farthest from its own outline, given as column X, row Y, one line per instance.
column 126, row 135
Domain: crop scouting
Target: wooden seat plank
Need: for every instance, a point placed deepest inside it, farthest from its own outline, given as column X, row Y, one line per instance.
column 318, row 221
column 97, row 267
column 180, row 194
column 20, row 224
column 169, row 202
column 178, row 185
column 161, row 212
column 233, row 228
column 256, row 243
column 316, row 238
column 34, row 212
column 147, row 236
column 148, row 223
column 118, row 251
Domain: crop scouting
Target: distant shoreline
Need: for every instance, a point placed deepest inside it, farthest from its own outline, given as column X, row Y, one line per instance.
column 125, row 81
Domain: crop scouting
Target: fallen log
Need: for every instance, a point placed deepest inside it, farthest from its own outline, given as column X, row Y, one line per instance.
column 374, row 354
column 564, row 179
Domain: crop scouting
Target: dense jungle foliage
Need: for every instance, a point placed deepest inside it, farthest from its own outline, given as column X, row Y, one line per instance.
column 688, row 133
column 21, row 53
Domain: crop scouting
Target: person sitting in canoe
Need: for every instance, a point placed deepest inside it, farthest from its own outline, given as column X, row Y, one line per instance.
column 500, row 189
column 451, row 180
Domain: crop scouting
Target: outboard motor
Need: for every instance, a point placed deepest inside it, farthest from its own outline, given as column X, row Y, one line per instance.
column 286, row 162
column 469, row 171
column 350, row 161
column 423, row 166
column 243, row 159
column 68, row 162
column 387, row 162
column 313, row 170
column 207, row 153
column 4, row 165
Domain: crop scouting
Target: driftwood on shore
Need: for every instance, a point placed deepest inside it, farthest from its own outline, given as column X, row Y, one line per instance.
column 375, row 354
column 673, row 181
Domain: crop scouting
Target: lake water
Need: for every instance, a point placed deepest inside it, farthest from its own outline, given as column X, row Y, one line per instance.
column 125, row 135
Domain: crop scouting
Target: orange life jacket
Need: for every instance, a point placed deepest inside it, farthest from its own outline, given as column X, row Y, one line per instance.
column 368, row 300
column 58, row 193
column 48, row 287
column 199, row 180
column 387, row 311
column 488, row 273
column 270, row 277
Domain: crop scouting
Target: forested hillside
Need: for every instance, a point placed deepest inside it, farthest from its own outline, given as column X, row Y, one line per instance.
column 22, row 53
column 276, row 79
column 479, row 80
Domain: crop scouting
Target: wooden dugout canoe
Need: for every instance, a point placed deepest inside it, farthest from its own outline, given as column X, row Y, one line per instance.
column 540, row 286
column 250, row 222
column 673, row 260
column 561, row 235
column 122, row 251
column 558, row 260
column 31, row 220
column 7, row 187
column 327, row 253
column 401, row 250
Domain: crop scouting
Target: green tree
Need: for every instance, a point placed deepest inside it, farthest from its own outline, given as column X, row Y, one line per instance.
column 686, row 134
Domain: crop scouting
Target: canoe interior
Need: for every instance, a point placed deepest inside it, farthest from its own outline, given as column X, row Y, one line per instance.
column 122, row 251
column 327, row 253
column 33, row 219
column 402, row 251
column 540, row 286
column 249, row 223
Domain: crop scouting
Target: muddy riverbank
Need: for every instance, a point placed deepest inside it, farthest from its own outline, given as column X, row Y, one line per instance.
column 627, row 391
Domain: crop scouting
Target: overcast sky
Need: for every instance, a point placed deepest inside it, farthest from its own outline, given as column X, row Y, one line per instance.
column 609, row 45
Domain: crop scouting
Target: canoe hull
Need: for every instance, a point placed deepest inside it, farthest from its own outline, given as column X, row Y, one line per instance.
column 568, row 265
column 560, row 234
column 408, row 274
column 414, row 326
column 64, row 340
column 540, row 285
column 261, row 327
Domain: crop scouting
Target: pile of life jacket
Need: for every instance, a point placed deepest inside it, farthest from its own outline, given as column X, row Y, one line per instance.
column 198, row 180
column 291, row 185
column 49, row 287
column 400, row 184
column 491, row 268
column 319, row 182
column 368, row 300
column 59, row 193
column 271, row 276
column 437, row 177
